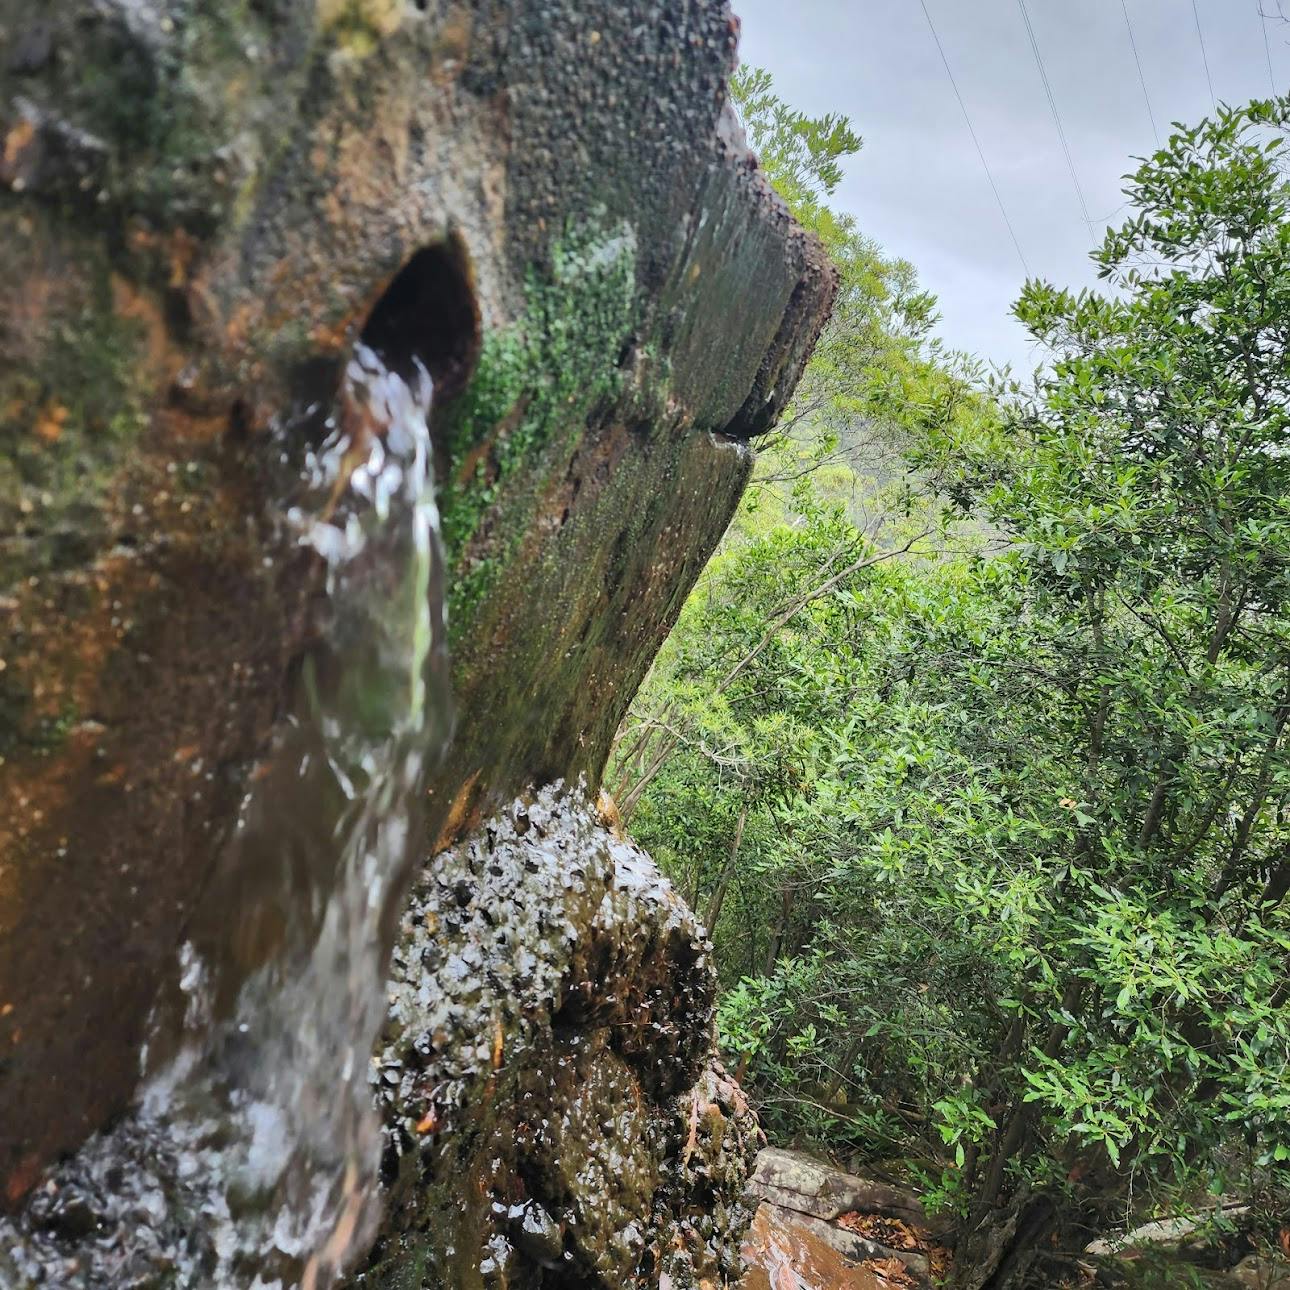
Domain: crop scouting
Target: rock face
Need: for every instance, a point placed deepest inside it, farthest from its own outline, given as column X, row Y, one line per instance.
column 203, row 207
column 553, row 1114
column 818, row 1228
column 799, row 1182
column 783, row 1255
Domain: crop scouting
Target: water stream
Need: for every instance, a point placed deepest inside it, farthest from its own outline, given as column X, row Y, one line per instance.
column 251, row 1157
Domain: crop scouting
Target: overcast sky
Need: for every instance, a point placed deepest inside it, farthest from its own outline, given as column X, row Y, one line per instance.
column 917, row 186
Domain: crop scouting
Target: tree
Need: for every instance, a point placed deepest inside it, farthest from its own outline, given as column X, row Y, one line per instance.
column 1001, row 835
column 802, row 154
column 875, row 364
column 1149, row 490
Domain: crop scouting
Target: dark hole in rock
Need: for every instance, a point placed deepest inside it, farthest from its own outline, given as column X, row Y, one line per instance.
column 428, row 312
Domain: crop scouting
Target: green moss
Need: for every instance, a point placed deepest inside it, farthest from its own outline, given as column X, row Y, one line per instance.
column 162, row 104
column 537, row 381
column 64, row 426
column 20, row 732
column 354, row 30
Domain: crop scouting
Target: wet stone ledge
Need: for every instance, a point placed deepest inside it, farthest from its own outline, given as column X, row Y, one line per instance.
column 553, row 1112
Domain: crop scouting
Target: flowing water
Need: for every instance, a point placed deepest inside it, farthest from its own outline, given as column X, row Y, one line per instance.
column 251, row 1157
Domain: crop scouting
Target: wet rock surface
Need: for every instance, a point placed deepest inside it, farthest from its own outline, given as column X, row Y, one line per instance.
column 553, row 1115
column 202, row 205
column 819, row 1228
column 783, row 1255
column 251, row 1154
column 205, row 208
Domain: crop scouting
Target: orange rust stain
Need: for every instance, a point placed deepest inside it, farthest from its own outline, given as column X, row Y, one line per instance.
column 185, row 427
column 16, row 142
column 183, row 249
column 610, row 816
column 22, row 1180
column 499, row 1041
column 334, row 335
column 179, row 248
column 139, row 237
column 239, row 323
column 202, row 303
column 18, row 139
column 129, row 302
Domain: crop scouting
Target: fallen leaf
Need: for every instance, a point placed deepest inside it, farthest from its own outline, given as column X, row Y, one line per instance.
column 50, row 422
column 893, row 1271
column 692, row 1142
column 890, row 1232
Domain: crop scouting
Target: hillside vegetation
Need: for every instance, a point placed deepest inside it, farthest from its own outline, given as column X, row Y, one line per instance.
column 970, row 745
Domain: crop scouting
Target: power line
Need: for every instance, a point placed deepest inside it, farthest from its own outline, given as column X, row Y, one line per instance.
column 1267, row 46
column 985, row 165
column 1142, row 80
column 1200, row 35
column 1057, row 120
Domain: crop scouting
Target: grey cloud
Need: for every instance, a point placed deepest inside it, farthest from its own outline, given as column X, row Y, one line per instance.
column 917, row 187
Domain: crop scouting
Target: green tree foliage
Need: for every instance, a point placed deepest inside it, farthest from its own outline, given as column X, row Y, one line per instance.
column 803, row 154
column 989, row 818
column 875, row 368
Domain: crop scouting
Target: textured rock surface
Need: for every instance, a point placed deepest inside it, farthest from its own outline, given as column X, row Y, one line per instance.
column 783, row 1255
column 201, row 205
column 794, row 1180
column 552, row 1115
column 830, row 1229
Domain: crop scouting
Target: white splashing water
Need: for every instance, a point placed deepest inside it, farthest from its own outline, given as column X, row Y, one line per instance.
column 252, row 1157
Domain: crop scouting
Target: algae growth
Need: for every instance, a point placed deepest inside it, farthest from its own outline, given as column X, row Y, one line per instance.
column 538, row 381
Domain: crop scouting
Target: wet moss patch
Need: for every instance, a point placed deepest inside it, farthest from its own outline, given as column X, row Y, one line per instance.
column 538, row 380
column 64, row 428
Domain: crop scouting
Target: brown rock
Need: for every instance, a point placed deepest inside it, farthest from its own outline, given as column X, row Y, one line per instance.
column 201, row 208
column 796, row 1181
column 1260, row 1273
column 785, row 1254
